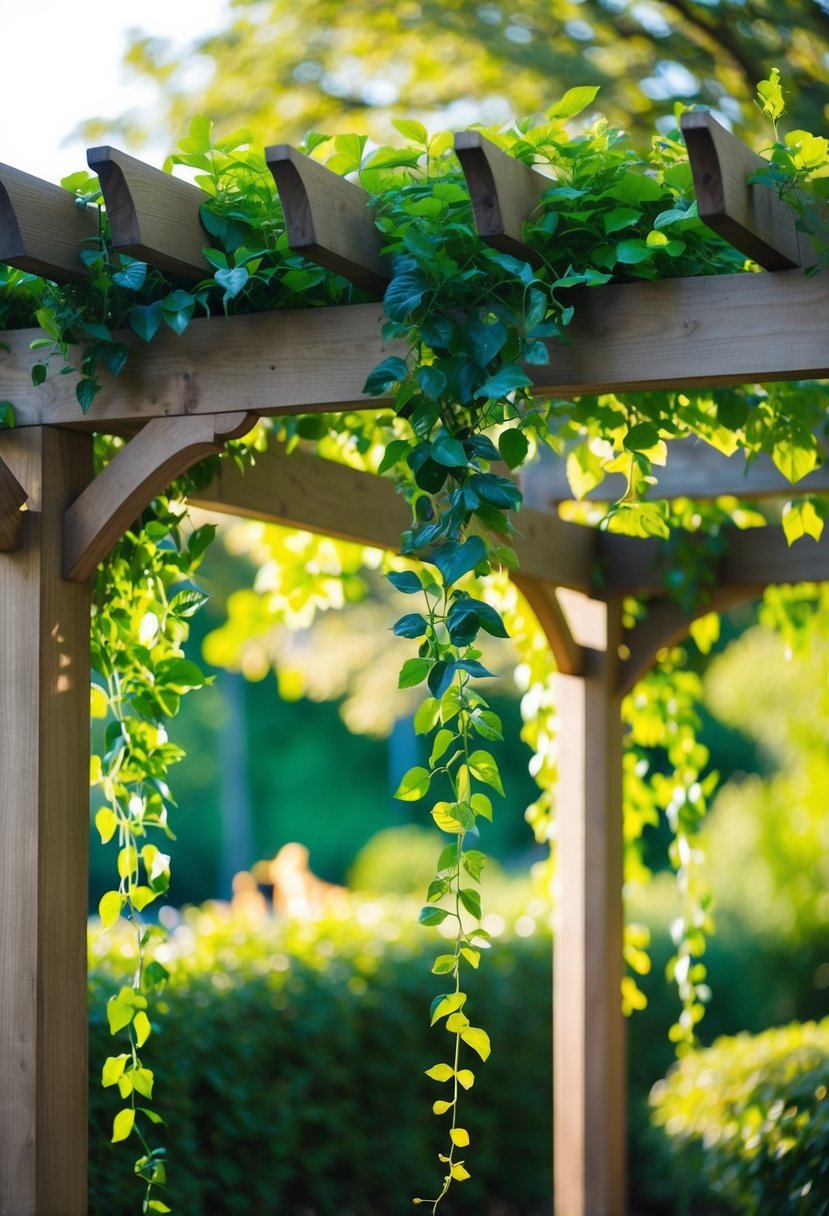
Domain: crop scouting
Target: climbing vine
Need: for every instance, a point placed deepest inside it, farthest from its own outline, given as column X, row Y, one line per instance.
column 473, row 320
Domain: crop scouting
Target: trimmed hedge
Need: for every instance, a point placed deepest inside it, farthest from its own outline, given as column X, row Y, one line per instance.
column 292, row 1078
column 750, row 1116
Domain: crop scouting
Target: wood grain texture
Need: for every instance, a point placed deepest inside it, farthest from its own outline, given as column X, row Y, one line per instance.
column 44, row 823
column 504, row 193
column 152, row 215
column 589, row 1069
column 682, row 332
column 329, row 219
column 12, row 498
column 752, row 218
column 41, row 229
column 317, row 495
column 694, row 470
column 162, row 451
column 541, row 597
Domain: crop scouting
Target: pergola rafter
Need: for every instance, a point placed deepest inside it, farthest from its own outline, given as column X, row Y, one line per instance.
column 181, row 397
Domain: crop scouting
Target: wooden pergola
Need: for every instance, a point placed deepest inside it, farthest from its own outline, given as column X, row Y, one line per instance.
column 181, row 398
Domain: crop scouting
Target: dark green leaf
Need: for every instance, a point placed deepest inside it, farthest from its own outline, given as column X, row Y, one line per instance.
column 505, row 381
column 495, row 490
column 404, row 293
column 448, row 451
column 453, row 559
column 431, row 380
column 132, row 277
column 513, row 446
column 471, row 900
column 145, row 320
column 411, row 626
column 384, row 375
column 405, row 581
column 641, row 438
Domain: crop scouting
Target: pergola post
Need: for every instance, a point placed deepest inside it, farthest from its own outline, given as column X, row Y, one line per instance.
column 44, row 828
column 589, row 1066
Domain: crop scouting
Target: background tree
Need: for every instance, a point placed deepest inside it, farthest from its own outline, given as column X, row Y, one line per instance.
column 326, row 66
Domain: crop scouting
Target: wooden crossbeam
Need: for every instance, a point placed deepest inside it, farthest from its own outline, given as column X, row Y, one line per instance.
column 152, row 215
column 751, row 217
column 504, row 192
column 328, row 219
column 304, row 491
column 677, row 333
column 42, row 230
column 12, row 499
column 694, row 470
column 164, row 449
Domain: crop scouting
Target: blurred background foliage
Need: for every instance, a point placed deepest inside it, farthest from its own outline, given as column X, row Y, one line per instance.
column 330, row 67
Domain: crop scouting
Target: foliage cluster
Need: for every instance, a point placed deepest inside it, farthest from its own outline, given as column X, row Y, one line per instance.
column 473, row 320
column 750, row 1116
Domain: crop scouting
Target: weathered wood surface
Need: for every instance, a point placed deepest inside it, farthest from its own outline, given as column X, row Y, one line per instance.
column 44, row 824
column 12, row 498
column 589, row 1067
column 328, row 219
column 162, row 451
column 504, row 192
column 42, row 230
column 541, row 597
column 752, row 218
column 318, row 495
column 676, row 333
column 152, row 215
column 694, row 470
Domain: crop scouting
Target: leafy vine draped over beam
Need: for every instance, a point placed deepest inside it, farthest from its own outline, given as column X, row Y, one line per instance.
column 471, row 319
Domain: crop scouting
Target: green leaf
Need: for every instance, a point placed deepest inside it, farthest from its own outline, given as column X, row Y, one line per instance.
column 432, row 916
column 454, row 559
column 405, row 581
column 482, row 806
column 109, row 906
column 471, row 900
column 380, row 379
column 801, row 519
column 478, row 1040
column 473, row 957
column 415, row 785
column 404, row 293
column 409, row 128
column 426, row 716
column 482, row 766
column 473, row 862
column 442, row 741
column 631, row 252
column 187, row 603
column 620, row 217
column 513, row 446
column 793, row 459
column 444, row 1005
column 233, row 281
column 487, row 724
column 641, row 438
column 145, row 320
column 504, row 382
column 449, row 452
column 122, row 1125
column 86, row 390
column 411, row 626
column 132, row 276
column 432, row 382
column 413, row 672
column 573, row 102
column 444, row 964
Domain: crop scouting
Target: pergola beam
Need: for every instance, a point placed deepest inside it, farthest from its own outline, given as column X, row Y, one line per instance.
column 751, row 217
column 12, row 499
column 303, row 491
column 329, row 219
column 504, row 193
column 42, row 230
column 676, row 333
column 152, row 215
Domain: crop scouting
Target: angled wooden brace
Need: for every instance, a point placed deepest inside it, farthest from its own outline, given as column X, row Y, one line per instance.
column 42, row 230
column 751, row 217
column 504, row 192
column 328, row 219
column 541, row 597
column 12, row 498
column 161, row 451
column 152, row 215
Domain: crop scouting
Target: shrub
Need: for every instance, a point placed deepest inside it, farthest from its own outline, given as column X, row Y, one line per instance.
column 290, row 1060
column 750, row 1115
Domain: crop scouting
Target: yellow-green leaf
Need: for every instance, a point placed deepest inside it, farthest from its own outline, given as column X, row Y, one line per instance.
column 122, row 1125
column 459, row 1172
column 142, row 1028
column 109, row 908
column 106, row 821
column 459, row 1136
column 441, row 1107
column 414, row 785
column 466, row 1078
column 478, row 1040
column 113, row 1069
column 440, row 1072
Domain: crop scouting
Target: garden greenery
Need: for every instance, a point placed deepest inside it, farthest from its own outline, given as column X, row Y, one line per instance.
column 472, row 319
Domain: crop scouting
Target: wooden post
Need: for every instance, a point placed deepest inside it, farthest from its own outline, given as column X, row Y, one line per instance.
column 589, row 1035
column 44, row 828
